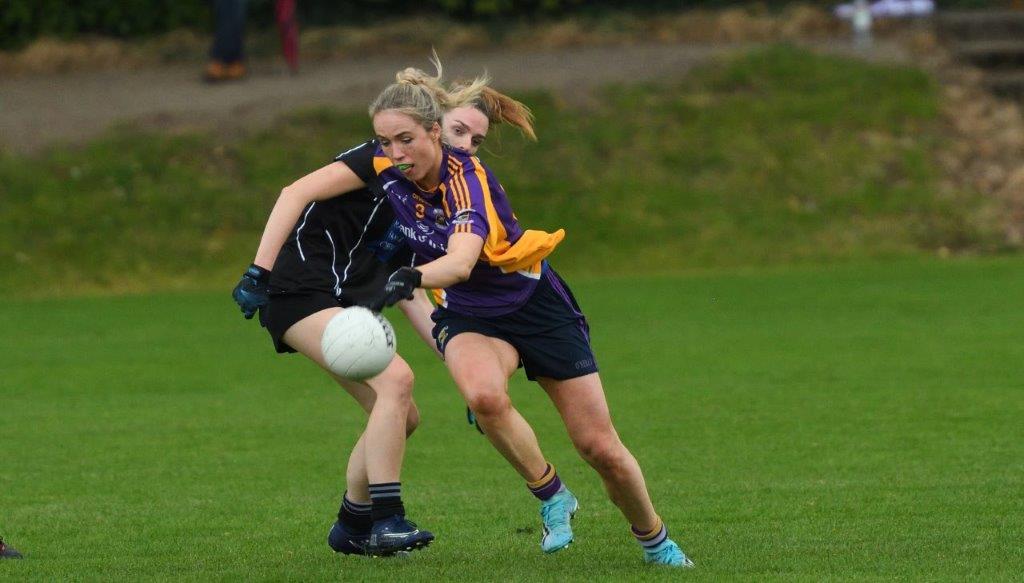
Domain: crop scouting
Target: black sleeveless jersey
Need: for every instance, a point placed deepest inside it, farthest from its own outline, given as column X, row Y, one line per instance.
column 347, row 245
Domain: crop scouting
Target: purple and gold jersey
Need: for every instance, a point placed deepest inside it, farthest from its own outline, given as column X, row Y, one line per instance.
column 469, row 200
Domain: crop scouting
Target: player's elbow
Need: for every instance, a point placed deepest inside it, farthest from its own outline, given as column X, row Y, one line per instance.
column 462, row 272
column 457, row 269
column 461, row 268
column 294, row 193
column 289, row 192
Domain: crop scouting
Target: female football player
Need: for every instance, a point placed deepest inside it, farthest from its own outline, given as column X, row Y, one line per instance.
column 338, row 251
column 334, row 254
column 502, row 306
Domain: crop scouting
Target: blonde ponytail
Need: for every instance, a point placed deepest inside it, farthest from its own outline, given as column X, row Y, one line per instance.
column 500, row 108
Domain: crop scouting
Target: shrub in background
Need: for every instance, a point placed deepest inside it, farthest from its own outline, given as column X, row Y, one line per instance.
column 22, row 21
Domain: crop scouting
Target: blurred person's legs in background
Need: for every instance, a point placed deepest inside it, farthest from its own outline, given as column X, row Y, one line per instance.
column 288, row 28
column 226, row 53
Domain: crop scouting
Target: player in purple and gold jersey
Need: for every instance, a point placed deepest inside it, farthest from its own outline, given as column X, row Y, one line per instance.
column 502, row 307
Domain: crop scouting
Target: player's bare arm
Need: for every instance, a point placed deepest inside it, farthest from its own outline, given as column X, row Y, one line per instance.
column 456, row 265
column 417, row 311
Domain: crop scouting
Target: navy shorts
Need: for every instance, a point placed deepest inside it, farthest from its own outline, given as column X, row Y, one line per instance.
column 549, row 331
column 284, row 310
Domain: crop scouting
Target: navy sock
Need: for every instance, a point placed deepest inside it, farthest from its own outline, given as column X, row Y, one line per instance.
column 387, row 500
column 354, row 517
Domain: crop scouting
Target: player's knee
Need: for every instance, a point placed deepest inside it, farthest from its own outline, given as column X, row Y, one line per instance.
column 603, row 453
column 412, row 419
column 489, row 403
column 395, row 383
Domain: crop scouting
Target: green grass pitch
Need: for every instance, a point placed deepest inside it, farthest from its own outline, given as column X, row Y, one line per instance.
column 811, row 423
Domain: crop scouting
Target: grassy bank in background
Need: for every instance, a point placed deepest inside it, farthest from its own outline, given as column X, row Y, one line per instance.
column 777, row 156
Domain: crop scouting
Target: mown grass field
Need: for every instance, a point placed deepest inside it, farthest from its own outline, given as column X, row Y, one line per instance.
column 801, row 423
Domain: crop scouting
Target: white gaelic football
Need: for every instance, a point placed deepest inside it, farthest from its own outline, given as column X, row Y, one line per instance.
column 358, row 344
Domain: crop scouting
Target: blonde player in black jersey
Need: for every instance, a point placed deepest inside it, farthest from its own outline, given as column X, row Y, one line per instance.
column 328, row 253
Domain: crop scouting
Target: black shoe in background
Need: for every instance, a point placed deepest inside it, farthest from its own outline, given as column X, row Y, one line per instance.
column 6, row 552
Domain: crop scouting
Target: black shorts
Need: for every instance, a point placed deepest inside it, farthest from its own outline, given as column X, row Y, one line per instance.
column 549, row 331
column 284, row 310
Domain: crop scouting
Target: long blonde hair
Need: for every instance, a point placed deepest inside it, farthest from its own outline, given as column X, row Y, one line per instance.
column 500, row 108
column 422, row 96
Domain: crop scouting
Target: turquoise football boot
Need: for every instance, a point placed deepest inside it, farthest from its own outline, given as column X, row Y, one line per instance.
column 667, row 553
column 556, row 512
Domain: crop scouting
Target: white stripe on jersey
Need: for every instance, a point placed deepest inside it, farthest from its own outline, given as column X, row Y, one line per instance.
column 353, row 149
column 298, row 231
column 351, row 252
column 334, row 256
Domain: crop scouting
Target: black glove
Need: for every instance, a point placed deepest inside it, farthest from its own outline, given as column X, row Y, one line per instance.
column 252, row 292
column 400, row 286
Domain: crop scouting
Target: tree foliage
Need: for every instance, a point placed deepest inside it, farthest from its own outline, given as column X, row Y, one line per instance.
column 21, row 21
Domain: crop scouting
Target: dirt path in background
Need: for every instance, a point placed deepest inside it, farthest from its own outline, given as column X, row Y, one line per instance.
column 42, row 110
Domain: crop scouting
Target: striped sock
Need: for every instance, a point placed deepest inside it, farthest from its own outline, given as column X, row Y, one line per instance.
column 387, row 500
column 355, row 517
column 651, row 538
column 547, row 485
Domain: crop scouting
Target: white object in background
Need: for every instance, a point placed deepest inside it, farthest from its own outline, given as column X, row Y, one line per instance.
column 862, row 23
column 891, row 8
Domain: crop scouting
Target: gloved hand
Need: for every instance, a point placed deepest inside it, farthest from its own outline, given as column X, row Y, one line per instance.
column 400, row 286
column 252, row 292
